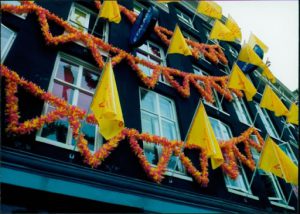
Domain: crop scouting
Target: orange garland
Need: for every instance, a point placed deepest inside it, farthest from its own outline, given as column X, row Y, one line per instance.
column 94, row 43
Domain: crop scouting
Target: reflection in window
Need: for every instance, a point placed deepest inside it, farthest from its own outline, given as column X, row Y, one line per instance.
column 7, row 39
column 74, row 82
column 159, row 118
column 241, row 110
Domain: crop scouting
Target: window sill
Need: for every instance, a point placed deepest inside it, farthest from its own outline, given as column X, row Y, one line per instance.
column 282, row 205
column 216, row 108
column 248, row 195
column 250, row 125
column 178, row 175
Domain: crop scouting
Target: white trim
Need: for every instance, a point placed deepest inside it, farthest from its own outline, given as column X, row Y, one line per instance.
column 248, row 195
column 282, row 205
column 9, row 43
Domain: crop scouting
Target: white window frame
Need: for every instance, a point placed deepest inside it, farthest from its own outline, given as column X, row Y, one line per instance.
column 241, row 108
column 280, row 200
column 9, row 43
column 292, row 139
column 83, row 10
column 81, row 64
column 188, row 22
column 16, row 3
column 266, row 120
column 218, row 106
column 161, row 59
column 163, row 6
column 236, row 190
column 170, row 172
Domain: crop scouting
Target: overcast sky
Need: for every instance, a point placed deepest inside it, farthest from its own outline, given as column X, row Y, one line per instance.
column 276, row 24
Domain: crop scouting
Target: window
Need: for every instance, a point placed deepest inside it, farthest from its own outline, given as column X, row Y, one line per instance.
column 211, row 41
column 217, row 103
column 266, row 121
column 15, row 3
column 240, row 184
column 158, row 117
column 185, row 19
column 154, row 54
column 137, row 7
column 79, row 18
column 74, row 81
column 241, row 110
column 7, row 38
column 233, row 52
column 273, row 188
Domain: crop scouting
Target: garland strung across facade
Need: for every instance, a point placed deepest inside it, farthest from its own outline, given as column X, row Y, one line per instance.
column 212, row 52
column 74, row 115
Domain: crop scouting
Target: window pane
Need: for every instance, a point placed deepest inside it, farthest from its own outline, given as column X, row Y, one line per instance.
column 166, row 108
column 67, row 72
column 168, row 129
column 89, row 80
column 6, row 36
column 78, row 19
column 270, row 186
column 89, row 131
column 215, row 126
column 145, row 69
column 154, row 51
column 16, row 3
column 57, row 130
column 63, row 91
column 84, row 101
column 148, row 101
column 150, row 124
column 151, row 152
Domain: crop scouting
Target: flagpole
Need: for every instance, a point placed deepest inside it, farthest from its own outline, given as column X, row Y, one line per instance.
column 177, row 159
column 96, row 22
column 71, row 155
column 290, row 196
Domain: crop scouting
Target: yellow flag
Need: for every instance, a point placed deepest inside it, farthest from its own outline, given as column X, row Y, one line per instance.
column 178, row 44
column 268, row 74
column 210, row 8
column 293, row 115
column 274, row 160
column 234, row 28
column 253, row 40
column 110, row 10
column 248, row 55
column 106, row 105
column 202, row 134
column 221, row 32
column 239, row 81
column 272, row 102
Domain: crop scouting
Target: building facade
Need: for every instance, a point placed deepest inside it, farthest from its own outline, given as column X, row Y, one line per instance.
column 42, row 170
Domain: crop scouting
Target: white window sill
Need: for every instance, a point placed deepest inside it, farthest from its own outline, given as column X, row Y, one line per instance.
column 178, row 175
column 248, row 195
column 282, row 205
column 216, row 108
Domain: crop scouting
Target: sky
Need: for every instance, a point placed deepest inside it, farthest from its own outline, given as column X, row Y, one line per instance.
column 276, row 24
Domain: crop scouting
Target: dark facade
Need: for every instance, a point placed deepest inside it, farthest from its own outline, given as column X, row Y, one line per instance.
column 41, row 175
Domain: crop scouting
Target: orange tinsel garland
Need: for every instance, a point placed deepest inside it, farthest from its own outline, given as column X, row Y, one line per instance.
column 94, row 43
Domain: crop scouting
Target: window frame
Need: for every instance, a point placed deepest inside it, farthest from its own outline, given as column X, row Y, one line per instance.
column 236, row 190
column 262, row 111
column 179, row 174
column 239, row 105
column 9, row 43
column 189, row 23
column 215, row 94
column 151, row 56
column 81, row 65
column 75, row 6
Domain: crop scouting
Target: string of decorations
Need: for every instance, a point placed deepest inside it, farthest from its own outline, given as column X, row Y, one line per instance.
column 74, row 115
column 94, row 44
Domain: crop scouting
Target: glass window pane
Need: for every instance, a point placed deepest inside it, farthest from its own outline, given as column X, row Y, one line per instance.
column 154, row 50
column 89, row 80
column 78, row 19
column 215, row 125
column 148, row 101
column 169, row 130
column 67, row 72
column 6, row 36
column 89, row 131
column 84, row 101
column 150, row 152
column 166, row 109
column 63, row 91
column 16, row 3
column 144, row 47
column 150, row 124
column 57, row 130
